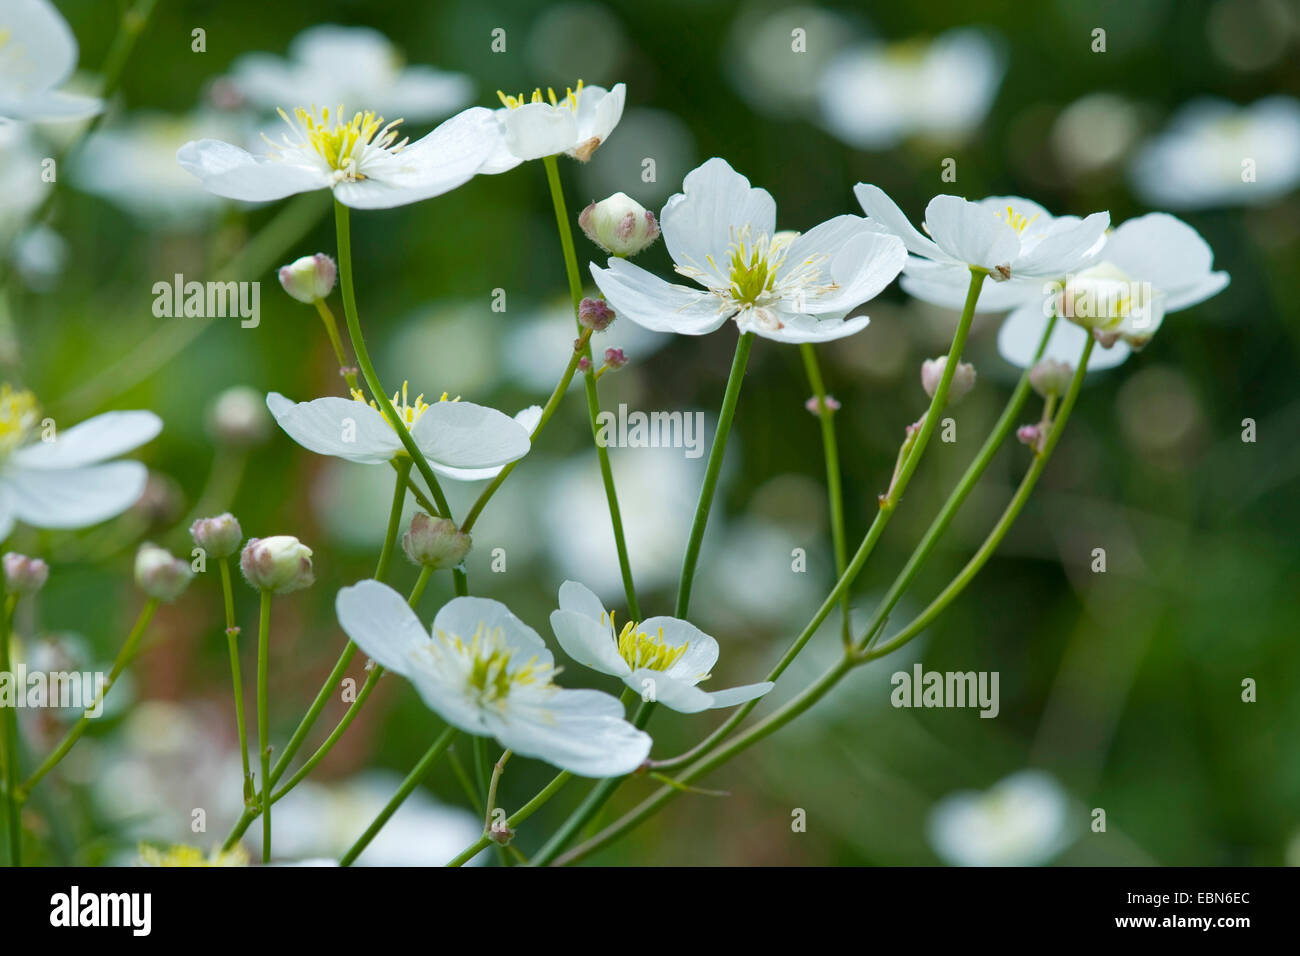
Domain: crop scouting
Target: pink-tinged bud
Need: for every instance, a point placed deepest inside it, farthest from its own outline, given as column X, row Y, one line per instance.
column 1031, row 435
column 620, row 225
column 815, row 407
column 595, row 314
column 159, row 574
column 584, row 364
column 615, row 359
column 1050, row 377
column 24, row 575
column 219, row 536
column 278, row 564
column 435, row 542
column 500, row 833
column 963, row 380
column 309, row 278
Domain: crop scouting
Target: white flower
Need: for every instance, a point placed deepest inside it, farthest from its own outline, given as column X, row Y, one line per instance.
column 67, row 482
column 782, row 286
column 1020, row 821
column 575, row 124
column 37, row 54
column 664, row 656
column 1008, row 236
column 489, row 674
column 460, row 440
column 1149, row 267
column 22, row 190
column 360, row 158
column 873, row 96
column 1215, row 153
column 333, row 64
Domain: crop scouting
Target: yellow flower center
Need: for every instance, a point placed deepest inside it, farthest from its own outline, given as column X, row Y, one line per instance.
column 18, row 416
column 408, row 411
column 643, row 650
column 486, row 661
column 181, row 855
column 343, row 143
column 568, row 101
column 1017, row 220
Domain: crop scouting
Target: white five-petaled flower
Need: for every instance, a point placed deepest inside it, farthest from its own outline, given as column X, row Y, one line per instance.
column 38, row 53
column 1150, row 266
column 488, row 673
column 787, row 287
column 546, row 125
column 362, row 158
column 67, row 482
column 334, row 64
column 460, row 440
column 662, row 656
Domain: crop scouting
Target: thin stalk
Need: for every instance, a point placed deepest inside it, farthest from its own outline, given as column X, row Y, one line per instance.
column 232, row 641
column 332, row 332
column 9, row 741
column 834, row 491
column 498, row 769
column 263, row 726
column 394, row 520
column 513, row 822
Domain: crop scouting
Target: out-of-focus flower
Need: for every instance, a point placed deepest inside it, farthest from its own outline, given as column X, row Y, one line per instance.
column 1020, row 821
column 643, row 134
column 279, row 564
column 1214, row 153
column 334, row 64
column 963, row 379
column 547, row 125
column 22, row 187
column 239, row 417
column 180, row 854
column 1051, row 377
column 783, row 286
column 757, row 57
column 620, row 225
column 159, row 574
column 488, row 673
column 24, row 575
column 460, row 439
column 1093, row 132
column 67, row 481
column 219, row 536
column 940, row 90
column 38, row 53
column 361, row 158
column 309, row 278
column 661, row 658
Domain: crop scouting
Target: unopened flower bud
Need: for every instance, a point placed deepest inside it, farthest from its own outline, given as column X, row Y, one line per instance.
column 159, row 574
column 1031, row 435
column 620, row 225
column 239, row 417
column 615, row 359
column 1050, row 377
column 309, row 278
column 278, row 564
column 219, row 536
column 584, row 363
column 595, row 314
column 24, row 575
column 435, row 542
column 963, row 380
column 814, row 406
column 500, row 833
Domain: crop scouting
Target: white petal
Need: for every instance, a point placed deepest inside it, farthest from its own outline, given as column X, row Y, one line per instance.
column 422, row 93
column 96, row 439
column 381, row 623
column 581, row 599
column 861, row 267
column 235, row 173
column 588, row 642
column 77, row 497
column 576, row 730
column 970, row 233
column 654, row 304
column 6, row 513
column 884, row 211
column 463, row 616
column 465, row 435
column 342, row 427
column 701, row 651
column 673, row 692
column 739, row 695
column 947, row 287
column 1022, row 330
column 49, row 106
column 599, row 112
column 796, row 328
column 1197, row 293
column 528, row 419
column 1066, row 247
column 40, row 49
column 535, row 130
column 715, row 205
column 1160, row 249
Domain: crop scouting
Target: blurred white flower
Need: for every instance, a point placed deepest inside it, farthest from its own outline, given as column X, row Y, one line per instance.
column 39, row 254
column 38, row 53
column 1094, row 131
column 643, row 134
column 1022, row 820
column 763, row 67
column 330, row 64
column 22, row 188
column 874, row 95
column 1214, row 153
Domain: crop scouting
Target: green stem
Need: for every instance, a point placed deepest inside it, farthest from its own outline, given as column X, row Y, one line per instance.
column 74, row 733
column 394, row 520
column 833, row 489
column 263, row 727
column 978, row 560
column 410, row 783
column 371, row 680
column 729, row 400
column 332, row 331
column 9, row 741
column 513, row 822
column 498, row 769
column 589, row 380
column 343, row 230
column 232, row 641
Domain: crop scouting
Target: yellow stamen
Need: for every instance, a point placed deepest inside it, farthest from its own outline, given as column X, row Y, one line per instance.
column 1017, row 221
column 341, row 142
column 18, row 416
column 643, row 650
column 569, row 101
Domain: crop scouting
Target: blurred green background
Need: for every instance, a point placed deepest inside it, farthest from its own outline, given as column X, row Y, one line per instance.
column 1125, row 686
